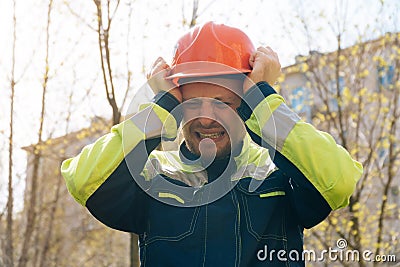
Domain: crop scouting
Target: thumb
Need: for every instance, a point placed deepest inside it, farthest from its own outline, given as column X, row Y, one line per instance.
column 252, row 58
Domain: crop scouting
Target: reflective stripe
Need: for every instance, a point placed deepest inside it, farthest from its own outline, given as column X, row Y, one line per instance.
column 162, row 122
column 141, row 120
column 272, row 194
column 328, row 166
column 263, row 112
column 254, row 161
column 87, row 171
column 279, row 125
column 170, row 195
column 168, row 164
column 254, row 171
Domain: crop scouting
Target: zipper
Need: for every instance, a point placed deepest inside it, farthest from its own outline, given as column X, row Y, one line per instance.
column 239, row 237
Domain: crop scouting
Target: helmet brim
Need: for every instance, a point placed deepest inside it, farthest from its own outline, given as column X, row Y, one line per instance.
column 202, row 73
column 202, row 69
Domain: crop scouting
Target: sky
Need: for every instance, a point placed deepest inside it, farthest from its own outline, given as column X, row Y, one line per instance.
column 141, row 31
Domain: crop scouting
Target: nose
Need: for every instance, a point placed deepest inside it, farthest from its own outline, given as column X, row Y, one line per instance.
column 207, row 116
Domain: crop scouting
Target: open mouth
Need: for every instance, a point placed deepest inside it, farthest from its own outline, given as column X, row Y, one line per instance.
column 214, row 136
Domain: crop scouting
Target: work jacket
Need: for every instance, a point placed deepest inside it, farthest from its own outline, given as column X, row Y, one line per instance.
column 248, row 209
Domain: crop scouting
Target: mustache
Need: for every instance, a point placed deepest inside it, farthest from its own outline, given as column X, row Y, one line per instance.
column 213, row 125
column 216, row 127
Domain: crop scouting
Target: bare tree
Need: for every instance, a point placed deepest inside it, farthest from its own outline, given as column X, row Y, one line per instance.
column 9, row 251
column 43, row 259
column 195, row 13
column 104, row 21
column 354, row 94
column 105, row 15
column 106, row 11
column 392, row 164
column 193, row 20
column 31, row 210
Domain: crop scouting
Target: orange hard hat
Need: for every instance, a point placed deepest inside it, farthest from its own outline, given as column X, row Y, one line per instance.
column 209, row 50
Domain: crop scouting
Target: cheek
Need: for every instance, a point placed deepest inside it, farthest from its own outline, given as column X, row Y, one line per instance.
column 186, row 128
column 189, row 115
column 235, row 127
column 230, row 120
column 188, row 135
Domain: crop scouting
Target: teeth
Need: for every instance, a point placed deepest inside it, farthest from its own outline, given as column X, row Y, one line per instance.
column 212, row 136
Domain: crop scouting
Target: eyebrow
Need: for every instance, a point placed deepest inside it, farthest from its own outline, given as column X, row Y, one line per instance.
column 219, row 98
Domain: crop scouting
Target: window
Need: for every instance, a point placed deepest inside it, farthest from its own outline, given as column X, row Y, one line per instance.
column 332, row 93
column 301, row 104
column 385, row 76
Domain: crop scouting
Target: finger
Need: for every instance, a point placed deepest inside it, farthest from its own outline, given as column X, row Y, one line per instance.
column 159, row 59
column 251, row 59
column 157, row 63
column 165, row 66
column 262, row 48
column 268, row 55
column 267, row 51
column 153, row 67
column 159, row 66
column 162, row 65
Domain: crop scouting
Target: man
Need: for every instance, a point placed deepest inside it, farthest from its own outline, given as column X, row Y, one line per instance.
column 247, row 179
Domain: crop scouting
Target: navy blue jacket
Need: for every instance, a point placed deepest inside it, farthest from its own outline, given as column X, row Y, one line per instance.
column 242, row 228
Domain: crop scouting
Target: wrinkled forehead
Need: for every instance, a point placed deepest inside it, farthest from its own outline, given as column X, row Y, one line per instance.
column 228, row 84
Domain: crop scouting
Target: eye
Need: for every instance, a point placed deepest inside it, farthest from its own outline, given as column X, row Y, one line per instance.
column 192, row 104
column 222, row 105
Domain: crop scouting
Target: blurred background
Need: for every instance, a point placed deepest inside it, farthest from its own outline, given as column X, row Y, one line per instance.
column 70, row 69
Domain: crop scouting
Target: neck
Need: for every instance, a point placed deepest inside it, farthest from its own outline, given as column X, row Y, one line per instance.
column 215, row 168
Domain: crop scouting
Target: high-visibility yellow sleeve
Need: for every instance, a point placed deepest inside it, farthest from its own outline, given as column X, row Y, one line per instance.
column 85, row 172
column 327, row 165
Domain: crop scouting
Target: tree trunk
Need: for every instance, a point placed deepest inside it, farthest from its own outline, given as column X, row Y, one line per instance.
column 47, row 240
column 31, row 210
column 9, row 249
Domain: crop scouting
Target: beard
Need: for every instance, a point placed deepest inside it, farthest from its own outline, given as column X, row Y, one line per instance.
column 206, row 148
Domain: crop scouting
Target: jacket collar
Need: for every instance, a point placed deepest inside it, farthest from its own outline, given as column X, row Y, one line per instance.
column 218, row 167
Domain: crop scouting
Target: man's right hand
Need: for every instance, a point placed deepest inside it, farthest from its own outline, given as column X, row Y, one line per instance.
column 157, row 81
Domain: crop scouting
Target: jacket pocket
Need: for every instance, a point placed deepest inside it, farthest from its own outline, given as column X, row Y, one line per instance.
column 169, row 222
column 264, row 209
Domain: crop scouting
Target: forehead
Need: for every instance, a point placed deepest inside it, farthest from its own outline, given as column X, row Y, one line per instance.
column 212, row 88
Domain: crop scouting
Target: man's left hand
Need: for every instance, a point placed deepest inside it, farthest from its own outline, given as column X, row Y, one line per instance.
column 265, row 67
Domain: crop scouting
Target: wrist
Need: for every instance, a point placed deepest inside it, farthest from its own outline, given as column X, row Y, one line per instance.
column 252, row 97
column 170, row 103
